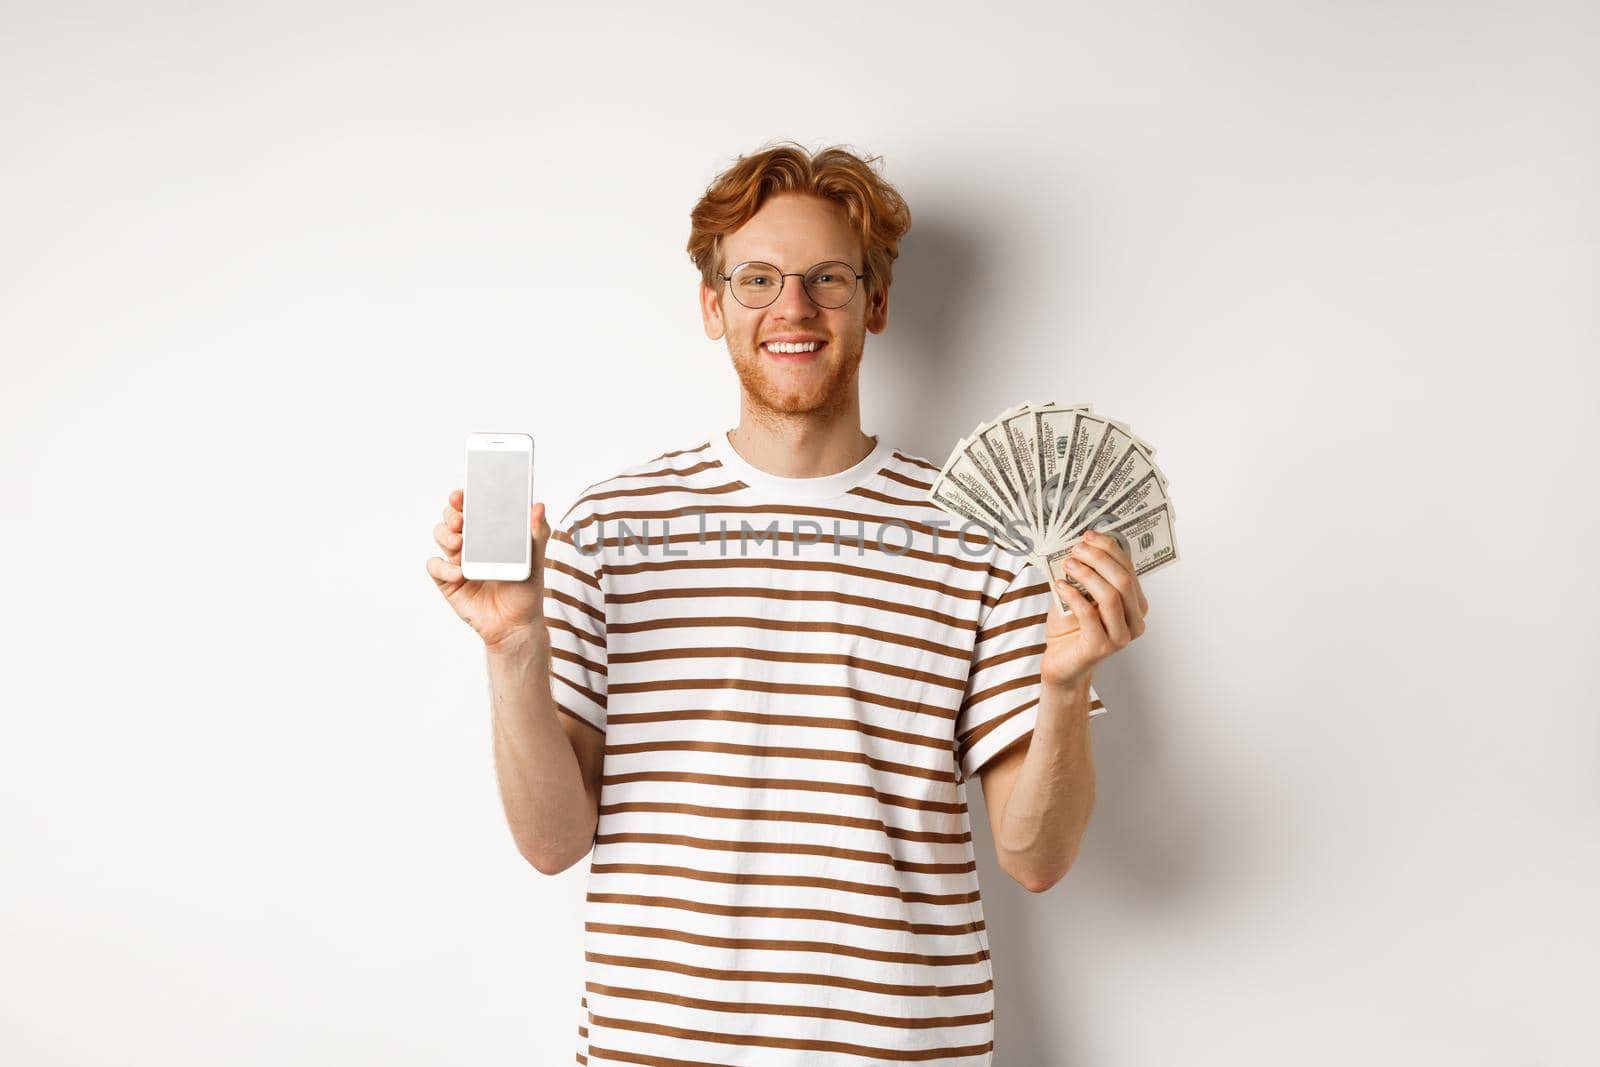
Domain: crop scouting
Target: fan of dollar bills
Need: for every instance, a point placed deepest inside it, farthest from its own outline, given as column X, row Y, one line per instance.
column 1038, row 476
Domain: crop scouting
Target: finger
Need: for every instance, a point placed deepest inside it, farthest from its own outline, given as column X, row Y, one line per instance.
column 1054, row 610
column 538, row 527
column 1112, row 614
column 455, row 499
column 1056, row 618
column 1082, row 610
column 1114, row 547
column 539, row 531
column 449, row 541
column 1111, row 564
column 1104, row 562
column 1136, row 607
column 443, row 573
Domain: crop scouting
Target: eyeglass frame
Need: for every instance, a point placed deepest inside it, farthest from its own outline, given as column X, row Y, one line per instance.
column 792, row 274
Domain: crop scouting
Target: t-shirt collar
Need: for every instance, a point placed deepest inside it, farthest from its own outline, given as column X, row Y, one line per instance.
column 778, row 487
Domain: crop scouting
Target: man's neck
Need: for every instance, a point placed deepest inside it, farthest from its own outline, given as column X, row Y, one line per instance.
column 800, row 446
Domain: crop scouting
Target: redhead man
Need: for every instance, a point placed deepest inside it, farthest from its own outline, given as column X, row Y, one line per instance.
column 753, row 673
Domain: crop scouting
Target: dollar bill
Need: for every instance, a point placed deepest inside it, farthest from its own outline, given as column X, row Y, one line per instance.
column 1038, row 476
column 1019, row 428
column 949, row 495
column 997, row 444
column 1146, row 538
column 1108, row 449
column 1133, row 467
column 1088, row 432
column 977, row 485
column 1062, row 436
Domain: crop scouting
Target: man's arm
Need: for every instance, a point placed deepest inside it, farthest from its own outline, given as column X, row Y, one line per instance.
column 547, row 764
column 1039, row 821
column 1040, row 794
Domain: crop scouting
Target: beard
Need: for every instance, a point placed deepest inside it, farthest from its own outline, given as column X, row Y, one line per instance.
column 824, row 388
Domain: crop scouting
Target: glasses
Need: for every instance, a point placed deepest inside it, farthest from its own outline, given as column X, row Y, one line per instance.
column 829, row 285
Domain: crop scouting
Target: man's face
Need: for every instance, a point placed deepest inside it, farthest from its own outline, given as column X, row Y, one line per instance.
column 794, row 232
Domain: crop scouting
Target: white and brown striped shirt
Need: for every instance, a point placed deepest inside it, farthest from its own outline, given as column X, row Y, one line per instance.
column 795, row 678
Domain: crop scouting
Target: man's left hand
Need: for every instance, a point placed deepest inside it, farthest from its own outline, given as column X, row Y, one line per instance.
column 1075, row 644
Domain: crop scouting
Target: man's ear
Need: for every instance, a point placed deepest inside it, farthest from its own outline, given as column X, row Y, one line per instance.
column 878, row 310
column 711, row 312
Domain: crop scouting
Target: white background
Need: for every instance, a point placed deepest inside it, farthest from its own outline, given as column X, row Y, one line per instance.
column 263, row 268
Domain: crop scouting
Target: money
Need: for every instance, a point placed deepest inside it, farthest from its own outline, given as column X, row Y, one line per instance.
column 1037, row 477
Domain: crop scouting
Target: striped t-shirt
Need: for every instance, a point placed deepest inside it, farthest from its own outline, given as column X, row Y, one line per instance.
column 795, row 677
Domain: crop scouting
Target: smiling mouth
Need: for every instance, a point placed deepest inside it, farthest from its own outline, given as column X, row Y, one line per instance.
column 795, row 356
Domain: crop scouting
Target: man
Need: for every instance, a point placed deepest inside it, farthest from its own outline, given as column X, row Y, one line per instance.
column 753, row 673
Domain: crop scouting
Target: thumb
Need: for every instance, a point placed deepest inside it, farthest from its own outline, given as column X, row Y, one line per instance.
column 1060, row 619
column 538, row 526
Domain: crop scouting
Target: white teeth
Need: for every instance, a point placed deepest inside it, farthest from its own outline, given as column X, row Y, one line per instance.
column 780, row 346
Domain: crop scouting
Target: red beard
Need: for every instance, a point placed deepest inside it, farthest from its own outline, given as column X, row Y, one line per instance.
column 824, row 390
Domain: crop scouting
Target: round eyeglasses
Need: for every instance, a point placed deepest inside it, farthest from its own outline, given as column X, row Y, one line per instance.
column 829, row 285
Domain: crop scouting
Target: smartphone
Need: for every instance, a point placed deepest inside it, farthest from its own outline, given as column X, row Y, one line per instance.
column 496, row 541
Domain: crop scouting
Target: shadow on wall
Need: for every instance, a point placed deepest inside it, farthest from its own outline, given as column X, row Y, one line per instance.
column 910, row 370
column 1154, row 852
column 1162, row 849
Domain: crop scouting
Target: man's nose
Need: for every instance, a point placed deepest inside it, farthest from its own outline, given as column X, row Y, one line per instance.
column 793, row 301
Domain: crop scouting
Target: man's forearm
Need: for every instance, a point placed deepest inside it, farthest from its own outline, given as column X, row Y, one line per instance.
column 541, row 784
column 1049, row 806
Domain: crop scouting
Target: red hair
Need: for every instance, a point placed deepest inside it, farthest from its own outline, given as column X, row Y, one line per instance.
column 876, row 211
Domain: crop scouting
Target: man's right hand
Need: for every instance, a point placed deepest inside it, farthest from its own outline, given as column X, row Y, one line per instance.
column 502, row 613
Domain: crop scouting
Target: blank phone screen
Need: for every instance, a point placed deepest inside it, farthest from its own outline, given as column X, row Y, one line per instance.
column 495, row 499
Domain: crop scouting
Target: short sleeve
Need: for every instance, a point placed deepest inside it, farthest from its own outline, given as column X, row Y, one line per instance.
column 1001, row 705
column 575, row 614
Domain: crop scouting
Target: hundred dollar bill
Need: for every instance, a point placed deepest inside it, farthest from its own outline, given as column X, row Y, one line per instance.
column 1020, row 429
column 997, row 496
column 1038, row 476
column 1054, row 431
column 1146, row 537
column 966, row 470
column 949, row 496
column 1146, row 492
column 1134, row 468
column 1088, row 431
column 998, row 442
column 1110, row 448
